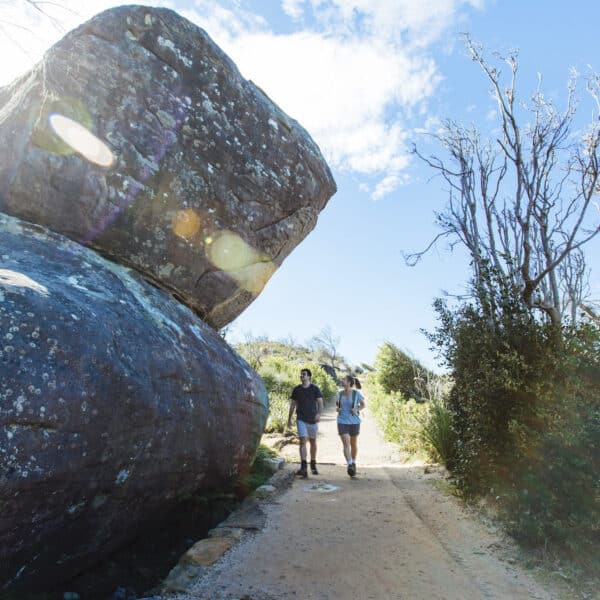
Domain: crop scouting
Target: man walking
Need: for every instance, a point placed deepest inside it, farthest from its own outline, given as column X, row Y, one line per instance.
column 307, row 401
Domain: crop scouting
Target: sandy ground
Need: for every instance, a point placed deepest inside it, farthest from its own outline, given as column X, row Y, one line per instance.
column 387, row 534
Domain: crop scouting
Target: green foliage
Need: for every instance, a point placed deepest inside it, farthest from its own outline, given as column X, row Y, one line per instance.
column 260, row 471
column 419, row 428
column 401, row 421
column 397, row 371
column 526, row 412
column 280, row 377
column 258, row 350
column 438, row 432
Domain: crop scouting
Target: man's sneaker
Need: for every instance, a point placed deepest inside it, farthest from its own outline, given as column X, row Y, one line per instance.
column 313, row 468
column 352, row 469
column 302, row 472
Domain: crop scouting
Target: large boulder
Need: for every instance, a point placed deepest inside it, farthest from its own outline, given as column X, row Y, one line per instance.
column 195, row 178
column 115, row 402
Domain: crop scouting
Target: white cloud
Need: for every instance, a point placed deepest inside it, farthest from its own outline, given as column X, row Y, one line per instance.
column 293, row 8
column 387, row 185
column 355, row 73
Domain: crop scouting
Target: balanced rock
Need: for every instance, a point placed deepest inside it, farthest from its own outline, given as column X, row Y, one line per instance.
column 115, row 401
column 138, row 136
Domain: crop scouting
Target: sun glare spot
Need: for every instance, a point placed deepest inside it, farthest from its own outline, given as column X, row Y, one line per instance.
column 229, row 251
column 186, row 223
column 253, row 278
column 81, row 140
column 250, row 268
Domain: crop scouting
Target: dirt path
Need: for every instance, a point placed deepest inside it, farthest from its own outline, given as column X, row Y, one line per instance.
column 388, row 534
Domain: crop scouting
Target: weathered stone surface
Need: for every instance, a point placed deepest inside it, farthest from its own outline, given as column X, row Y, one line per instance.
column 207, row 551
column 210, row 186
column 115, row 401
column 235, row 533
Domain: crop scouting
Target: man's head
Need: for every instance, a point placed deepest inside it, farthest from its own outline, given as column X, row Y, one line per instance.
column 305, row 376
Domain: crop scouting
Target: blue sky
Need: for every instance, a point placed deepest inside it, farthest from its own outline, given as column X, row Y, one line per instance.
column 367, row 78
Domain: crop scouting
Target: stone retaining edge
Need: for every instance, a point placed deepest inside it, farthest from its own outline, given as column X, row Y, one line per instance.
column 249, row 517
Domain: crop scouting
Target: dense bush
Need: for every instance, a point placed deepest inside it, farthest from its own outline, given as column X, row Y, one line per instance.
column 397, row 371
column 438, row 432
column 526, row 410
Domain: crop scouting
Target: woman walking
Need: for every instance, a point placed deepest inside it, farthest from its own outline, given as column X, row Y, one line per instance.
column 349, row 403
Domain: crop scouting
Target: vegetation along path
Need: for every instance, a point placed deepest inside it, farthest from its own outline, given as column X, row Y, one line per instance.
column 387, row 534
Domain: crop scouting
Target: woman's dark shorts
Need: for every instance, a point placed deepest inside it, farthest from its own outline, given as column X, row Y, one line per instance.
column 351, row 430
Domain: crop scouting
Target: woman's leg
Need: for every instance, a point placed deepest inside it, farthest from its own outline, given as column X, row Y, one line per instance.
column 346, row 447
column 353, row 447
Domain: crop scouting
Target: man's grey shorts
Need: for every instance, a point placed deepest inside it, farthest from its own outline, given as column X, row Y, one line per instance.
column 307, row 430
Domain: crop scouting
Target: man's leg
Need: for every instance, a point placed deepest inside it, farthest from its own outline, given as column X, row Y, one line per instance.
column 313, row 456
column 303, row 449
column 302, row 434
column 303, row 471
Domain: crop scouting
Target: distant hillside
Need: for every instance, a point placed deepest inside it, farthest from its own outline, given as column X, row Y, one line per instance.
column 258, row 350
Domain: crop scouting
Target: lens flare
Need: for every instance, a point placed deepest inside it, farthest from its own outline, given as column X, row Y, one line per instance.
column 253, row 278
column 229, row 251
column 186, row 223
column 81, row 140
column 249, row 268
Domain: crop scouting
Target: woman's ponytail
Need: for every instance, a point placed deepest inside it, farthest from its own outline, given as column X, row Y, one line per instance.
column 357, row 383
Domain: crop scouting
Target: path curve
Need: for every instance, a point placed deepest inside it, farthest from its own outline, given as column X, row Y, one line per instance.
column 388, row 534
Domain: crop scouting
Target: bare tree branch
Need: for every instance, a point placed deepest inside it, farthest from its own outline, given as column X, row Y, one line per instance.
column 521, row 203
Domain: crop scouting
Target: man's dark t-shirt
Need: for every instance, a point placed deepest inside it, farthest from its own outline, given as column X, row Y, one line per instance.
column 307, row 405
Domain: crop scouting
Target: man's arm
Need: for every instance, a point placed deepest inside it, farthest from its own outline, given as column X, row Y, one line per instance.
column 293, row 405
column 319, row 409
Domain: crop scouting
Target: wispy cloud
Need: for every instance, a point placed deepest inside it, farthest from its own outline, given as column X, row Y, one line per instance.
column 356, row 73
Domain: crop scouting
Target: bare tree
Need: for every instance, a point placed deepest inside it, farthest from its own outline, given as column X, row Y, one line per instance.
column 327, row 344
column 253, row 349
column 12, row 26
column 521, row 203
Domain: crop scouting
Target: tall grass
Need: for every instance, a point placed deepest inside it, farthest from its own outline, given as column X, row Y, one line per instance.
column 438, row 433
column 421, row 429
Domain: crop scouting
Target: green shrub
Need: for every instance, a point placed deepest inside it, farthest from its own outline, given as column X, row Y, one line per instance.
column 396, row 371
column 260, row 471
column 400, row 421
column 526, row 414
column 438, row 432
